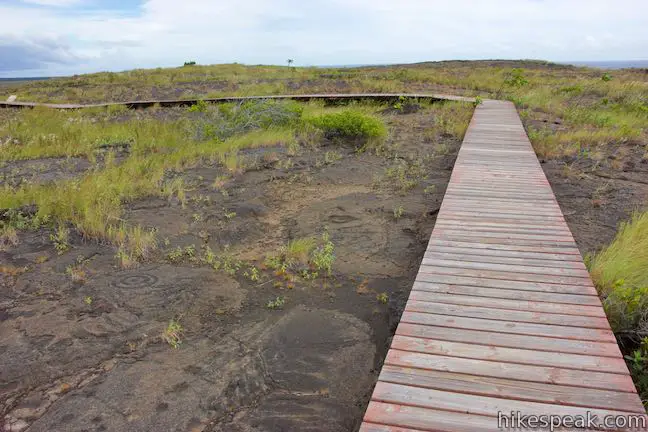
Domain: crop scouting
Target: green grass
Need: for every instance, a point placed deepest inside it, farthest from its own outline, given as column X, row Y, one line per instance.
column 620, row 274
column 93, row 202
column 300, row 249
column 308, row 256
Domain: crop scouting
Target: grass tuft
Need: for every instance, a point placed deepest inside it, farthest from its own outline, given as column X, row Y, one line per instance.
column 619, row 273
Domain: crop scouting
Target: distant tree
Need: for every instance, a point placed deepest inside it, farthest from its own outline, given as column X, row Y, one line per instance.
column 290, row 62
column 190, row 63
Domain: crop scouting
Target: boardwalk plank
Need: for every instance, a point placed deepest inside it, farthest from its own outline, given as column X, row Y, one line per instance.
column 501, row 283
column 474, row 404
column 517, row 305
column 504, row 293
column 507, row 315
column 513, row 327
column 494, row 369
column 509, row 268
column 506, row 275
column 415, row 418
column 504, row 388
column 472, row 256
column 538, row 343
column 510, row 355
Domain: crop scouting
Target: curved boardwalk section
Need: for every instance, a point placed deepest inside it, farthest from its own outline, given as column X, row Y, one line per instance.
column 503, row 316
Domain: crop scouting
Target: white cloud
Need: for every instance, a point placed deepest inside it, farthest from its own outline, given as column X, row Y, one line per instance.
column 166, row 32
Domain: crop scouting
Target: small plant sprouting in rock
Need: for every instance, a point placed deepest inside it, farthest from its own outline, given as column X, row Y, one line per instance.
column 226, row 262
column 220, row 182
column 307, row 257
column 87, row 300
column 175, row 255
column 179, row 254
column 324, row 256
column 76, row 273
column 61, row 239
column 382, row 298
column 429, row 190
column 173, row 333
column 331, row 157
column 398, row 212
column 277, row 303
column 229, row 215
column 252, row 273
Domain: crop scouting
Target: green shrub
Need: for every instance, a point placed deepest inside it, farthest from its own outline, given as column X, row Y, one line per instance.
column 349, row 124
column 638, row 364
column 234, row 119
column 200, row 106
column 515, row 78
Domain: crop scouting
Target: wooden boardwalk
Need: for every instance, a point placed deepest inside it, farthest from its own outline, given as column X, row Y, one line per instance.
column 502, row 316
column 331, row 97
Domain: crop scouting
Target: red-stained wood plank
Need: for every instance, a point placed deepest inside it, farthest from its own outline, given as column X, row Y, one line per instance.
column 494, row 226
column 510, row 355
column 489, row 338
column 449, row 278
column 513, row 327
column 516, row 305
column 482, row 215
column 503, row 315
column 414, row 418
column 494, row 369
column 511, row 389
column 507, row 315
column 556, row 259
column 506, row 293
column 472, row 256
column 474, row 404
column 586, row 284
column 374, row 427
column 437, row 261
column 477, row 246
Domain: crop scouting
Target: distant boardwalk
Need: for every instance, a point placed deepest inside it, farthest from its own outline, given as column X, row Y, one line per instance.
column 387, row 97
column 503, row 316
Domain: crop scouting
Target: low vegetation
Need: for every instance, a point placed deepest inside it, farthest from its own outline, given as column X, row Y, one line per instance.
column 173, row 333
column 585, row 119
column 134, row 156
column 619, row 272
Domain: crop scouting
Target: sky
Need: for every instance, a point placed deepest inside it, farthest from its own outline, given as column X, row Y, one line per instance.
column 64, row 37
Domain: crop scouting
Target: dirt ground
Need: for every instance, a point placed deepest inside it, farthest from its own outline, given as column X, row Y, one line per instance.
column 87, row 354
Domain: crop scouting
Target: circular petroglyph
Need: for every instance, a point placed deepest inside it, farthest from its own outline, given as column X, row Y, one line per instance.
column 136, row 280
column 342, row 219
